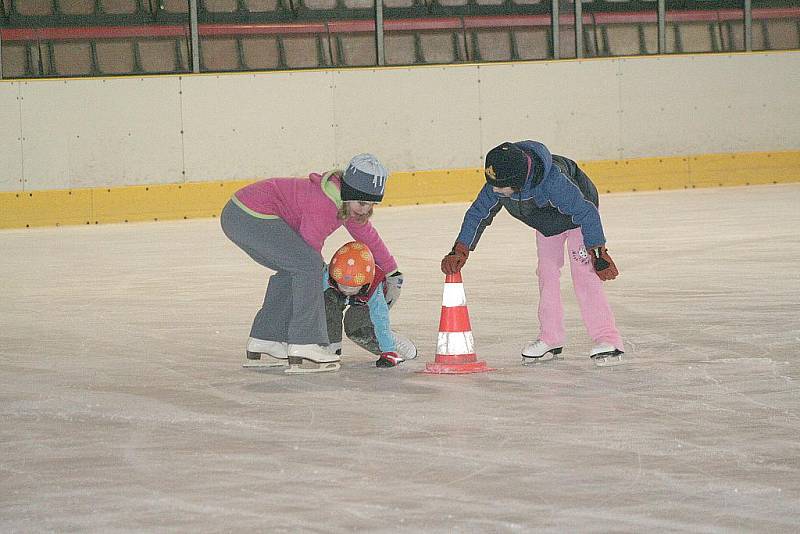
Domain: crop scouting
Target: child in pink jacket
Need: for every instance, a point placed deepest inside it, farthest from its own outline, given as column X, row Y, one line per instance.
column 282, row 224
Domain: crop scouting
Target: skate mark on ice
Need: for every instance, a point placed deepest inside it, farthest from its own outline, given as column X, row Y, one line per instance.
column 746, row 397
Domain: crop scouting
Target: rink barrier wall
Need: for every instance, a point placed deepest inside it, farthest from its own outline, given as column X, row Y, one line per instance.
column 179, row 129
column 27, row 209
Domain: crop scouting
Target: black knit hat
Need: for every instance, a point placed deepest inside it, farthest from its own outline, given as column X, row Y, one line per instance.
column 364, row 179
column 506, row 166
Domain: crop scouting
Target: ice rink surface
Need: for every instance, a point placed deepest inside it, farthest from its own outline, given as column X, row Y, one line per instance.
column 124, row 407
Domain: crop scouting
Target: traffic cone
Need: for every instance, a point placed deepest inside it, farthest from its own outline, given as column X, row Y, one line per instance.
column 455, row 350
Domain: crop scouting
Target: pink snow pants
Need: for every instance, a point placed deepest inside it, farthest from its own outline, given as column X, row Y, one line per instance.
column 595, row 310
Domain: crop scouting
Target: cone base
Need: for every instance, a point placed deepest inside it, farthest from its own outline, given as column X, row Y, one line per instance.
column 455, row 368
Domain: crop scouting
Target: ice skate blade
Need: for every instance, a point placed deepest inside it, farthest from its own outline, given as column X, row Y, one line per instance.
column 255, row 361
column 548, row 356
column 608, row 360
column 312, row 367
column 264, row 364
column 533, row 361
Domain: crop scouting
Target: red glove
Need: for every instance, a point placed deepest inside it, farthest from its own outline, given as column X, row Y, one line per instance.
column 603, row 264
column 453, row 262
column 388, row 359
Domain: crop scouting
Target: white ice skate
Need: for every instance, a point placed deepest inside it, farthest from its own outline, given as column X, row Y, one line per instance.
column 404, row 346
column 606, row 355
column 311, row 359
column 538, row 351
column 257, row 347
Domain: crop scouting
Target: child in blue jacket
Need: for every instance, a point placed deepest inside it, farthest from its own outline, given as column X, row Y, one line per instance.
column 552, row 195
column 359, row 295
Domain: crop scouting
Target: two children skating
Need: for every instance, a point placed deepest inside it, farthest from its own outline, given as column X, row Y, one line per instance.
column 282, row 224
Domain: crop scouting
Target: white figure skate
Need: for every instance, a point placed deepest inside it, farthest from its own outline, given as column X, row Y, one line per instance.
column 606, row 355
column 538, row 351
column 311, row 359
column 404, row 346
column 257, row 347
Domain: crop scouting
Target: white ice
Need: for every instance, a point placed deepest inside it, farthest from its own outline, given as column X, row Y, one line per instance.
column 124, row 406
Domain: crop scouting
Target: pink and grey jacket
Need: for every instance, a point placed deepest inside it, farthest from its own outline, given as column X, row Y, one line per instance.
column 310, row 207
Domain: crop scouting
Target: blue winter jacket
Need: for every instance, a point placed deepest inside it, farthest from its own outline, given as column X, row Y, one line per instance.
column 557, row 196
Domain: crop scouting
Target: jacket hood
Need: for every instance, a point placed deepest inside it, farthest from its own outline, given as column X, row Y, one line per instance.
column 331, row 184
column 541, row 162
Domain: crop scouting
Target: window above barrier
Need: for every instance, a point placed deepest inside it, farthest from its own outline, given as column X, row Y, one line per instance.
column 62, row 38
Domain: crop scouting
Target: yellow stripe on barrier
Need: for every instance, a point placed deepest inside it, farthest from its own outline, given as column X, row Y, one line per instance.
column 115, row 204
column 206, row 199
column 159, row 202
column 45, row 208
column 644, row 174
column 433, row 187
column 744, row 169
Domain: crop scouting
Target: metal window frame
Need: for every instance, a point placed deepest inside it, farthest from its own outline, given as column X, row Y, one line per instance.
column 748, row 25
column 578, row 29
column 380, row 58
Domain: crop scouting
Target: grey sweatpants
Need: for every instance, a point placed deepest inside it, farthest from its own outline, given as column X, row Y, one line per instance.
column 294, row 306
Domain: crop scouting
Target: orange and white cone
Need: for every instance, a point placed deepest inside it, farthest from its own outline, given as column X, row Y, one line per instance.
column 455, row 350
